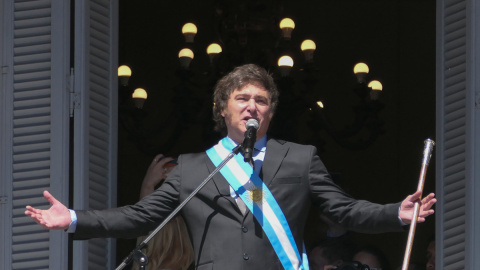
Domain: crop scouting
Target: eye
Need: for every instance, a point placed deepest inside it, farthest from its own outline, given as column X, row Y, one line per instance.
column 243, row 98
column 262, row 101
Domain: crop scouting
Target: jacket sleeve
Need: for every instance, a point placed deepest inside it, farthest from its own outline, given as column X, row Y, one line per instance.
column 133, row 220
column 356, row 215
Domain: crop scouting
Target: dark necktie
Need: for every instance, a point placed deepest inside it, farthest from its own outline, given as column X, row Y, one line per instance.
column 240, row 203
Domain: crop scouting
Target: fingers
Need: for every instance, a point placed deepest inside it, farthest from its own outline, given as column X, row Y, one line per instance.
column 35, row 214
column 29, row 208
column 49, row 197
column 157, row 158
column 408, row 205
column 164, row 161
column 429, row 197
column 427, row 204
column 56, row 217
column 31, row 211
column 429, row 201
column 160, row 160
column 415, row 196
column 34, row 211
column 430, row 204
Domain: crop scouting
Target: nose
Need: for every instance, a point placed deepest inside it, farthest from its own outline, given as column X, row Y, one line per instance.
column 251, row 106
column 430, row 264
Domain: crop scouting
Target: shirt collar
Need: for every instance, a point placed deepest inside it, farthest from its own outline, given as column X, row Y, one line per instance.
column 260, row 145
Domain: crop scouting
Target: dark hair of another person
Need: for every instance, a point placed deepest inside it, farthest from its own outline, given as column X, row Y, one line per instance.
column 378, row 253
column 335, row 249
column 430, row 239
column 237, row 79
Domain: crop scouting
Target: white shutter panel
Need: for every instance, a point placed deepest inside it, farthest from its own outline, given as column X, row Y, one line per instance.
column 457, row 132
column 35, row 128
column 95, row 125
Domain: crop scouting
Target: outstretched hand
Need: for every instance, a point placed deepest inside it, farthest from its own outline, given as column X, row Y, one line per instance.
column 408, row 205
column 57, row 217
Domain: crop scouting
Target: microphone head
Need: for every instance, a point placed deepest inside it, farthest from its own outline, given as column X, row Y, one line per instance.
column 252, row 123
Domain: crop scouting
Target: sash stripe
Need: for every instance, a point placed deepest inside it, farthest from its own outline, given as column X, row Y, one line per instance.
column 242, row 178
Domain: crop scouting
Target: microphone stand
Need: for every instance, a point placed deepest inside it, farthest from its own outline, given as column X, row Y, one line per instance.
column 137, row 253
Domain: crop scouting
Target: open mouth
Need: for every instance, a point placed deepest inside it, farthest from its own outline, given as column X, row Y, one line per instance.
column 248, row 118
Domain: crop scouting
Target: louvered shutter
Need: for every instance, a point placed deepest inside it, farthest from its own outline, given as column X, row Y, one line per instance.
column 457, row 132
column 95, row 122
column 34, row 121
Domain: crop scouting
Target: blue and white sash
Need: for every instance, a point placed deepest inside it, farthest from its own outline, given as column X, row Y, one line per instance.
column 257, row 197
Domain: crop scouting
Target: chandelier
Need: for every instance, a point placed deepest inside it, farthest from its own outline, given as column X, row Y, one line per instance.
column 303, row 112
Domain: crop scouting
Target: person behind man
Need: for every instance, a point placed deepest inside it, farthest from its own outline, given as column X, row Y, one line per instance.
column 171, row 247
column 286, row 179
column 431, row 254
column 330, row 252
column 372, row 256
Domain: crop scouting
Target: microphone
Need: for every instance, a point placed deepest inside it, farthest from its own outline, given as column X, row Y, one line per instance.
column 250, row 138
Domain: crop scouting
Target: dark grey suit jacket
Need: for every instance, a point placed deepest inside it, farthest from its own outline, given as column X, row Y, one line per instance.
column 222, row 237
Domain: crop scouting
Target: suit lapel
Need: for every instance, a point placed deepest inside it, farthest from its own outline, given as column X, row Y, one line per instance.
column 221, row 184
column 218, row 179
column 276, row 152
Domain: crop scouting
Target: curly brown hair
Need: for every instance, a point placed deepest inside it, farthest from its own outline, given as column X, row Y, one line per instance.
column 237, row 79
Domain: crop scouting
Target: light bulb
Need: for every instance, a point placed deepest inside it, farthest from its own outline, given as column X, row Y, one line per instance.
column 185, row 53
column 185, row 57
column 308, row 48
column 124, row 70
column 124, row 74
column 285, row 61
column 287, row 25
column 361, row 70
column 189, row 30
column 140, row 93
column 213, row 50
column 139, row 96
column 376, row 87
column 308, row 44
column 285, row 64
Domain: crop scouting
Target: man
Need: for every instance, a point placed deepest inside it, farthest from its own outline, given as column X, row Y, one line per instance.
column 286, row 179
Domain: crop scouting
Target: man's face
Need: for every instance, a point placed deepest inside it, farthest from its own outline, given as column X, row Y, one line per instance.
column 249, row 102
column 366, row 258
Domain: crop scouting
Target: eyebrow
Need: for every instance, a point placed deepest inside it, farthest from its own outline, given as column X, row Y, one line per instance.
column 248, row 94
